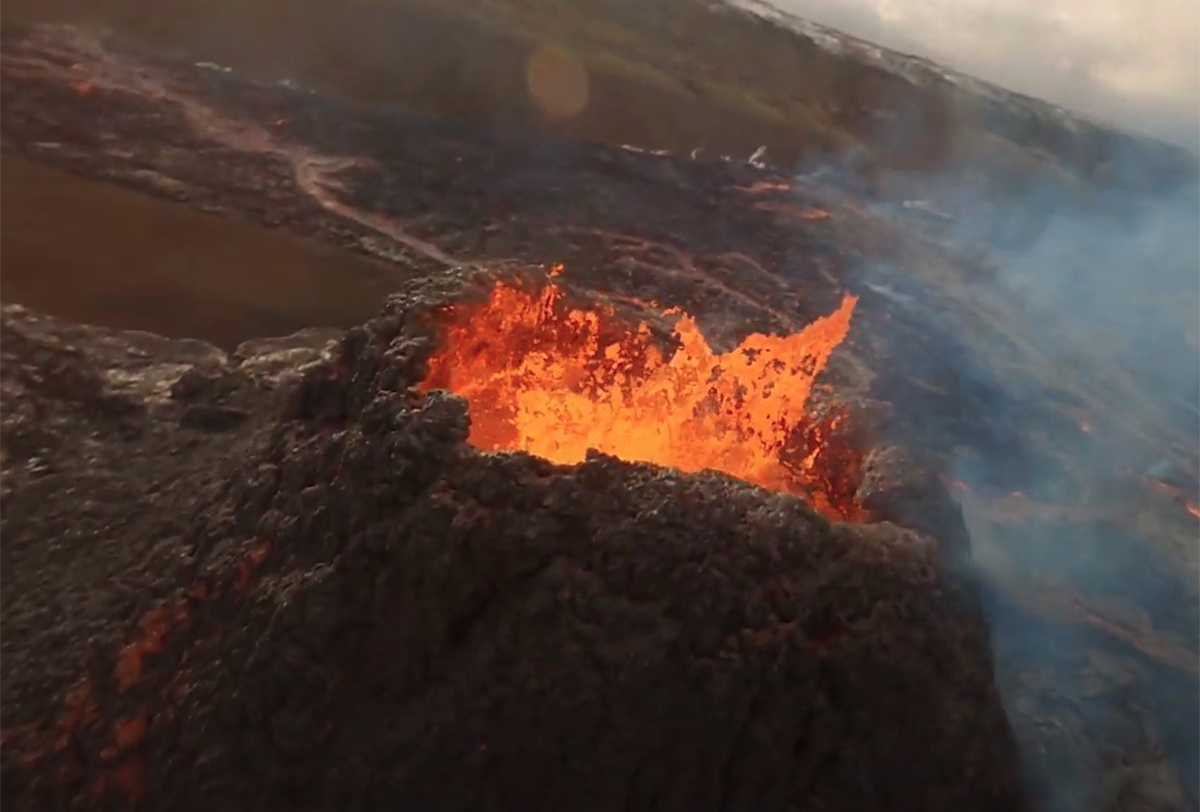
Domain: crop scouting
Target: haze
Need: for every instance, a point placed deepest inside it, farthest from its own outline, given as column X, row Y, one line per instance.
column 1135, row 63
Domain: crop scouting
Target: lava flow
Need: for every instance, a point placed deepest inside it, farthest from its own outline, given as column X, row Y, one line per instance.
column 554, row 381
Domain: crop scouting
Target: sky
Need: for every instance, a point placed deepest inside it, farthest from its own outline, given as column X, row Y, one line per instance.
column 1135, row 63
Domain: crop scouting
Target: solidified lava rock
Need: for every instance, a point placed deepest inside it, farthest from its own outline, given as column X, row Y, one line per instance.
column 335, row 603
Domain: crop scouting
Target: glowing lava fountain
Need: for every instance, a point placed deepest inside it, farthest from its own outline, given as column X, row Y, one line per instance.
column 554, row 381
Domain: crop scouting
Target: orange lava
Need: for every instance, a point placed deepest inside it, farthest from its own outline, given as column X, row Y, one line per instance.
column 248, row 565
column 131, row 731
column 555, row 381
column 154, row 626
column 760, row 186
column 1177, row 494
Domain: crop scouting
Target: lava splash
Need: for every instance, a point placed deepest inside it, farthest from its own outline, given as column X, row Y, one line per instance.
column 554, row 380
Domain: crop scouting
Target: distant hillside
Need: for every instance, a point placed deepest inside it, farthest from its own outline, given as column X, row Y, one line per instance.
column 678, row 75
column 1093, row 149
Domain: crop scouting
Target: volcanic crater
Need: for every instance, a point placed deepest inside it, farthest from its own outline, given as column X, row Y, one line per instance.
column 559, row 381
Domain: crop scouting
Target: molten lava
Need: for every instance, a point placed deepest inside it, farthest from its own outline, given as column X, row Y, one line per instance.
column 554, row 381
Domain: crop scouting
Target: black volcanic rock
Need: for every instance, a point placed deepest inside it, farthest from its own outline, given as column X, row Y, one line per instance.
column 335, row 603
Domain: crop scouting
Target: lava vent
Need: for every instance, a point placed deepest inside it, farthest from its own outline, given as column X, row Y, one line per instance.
column 555, row 380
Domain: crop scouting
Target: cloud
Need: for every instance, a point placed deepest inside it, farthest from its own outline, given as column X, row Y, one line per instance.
column 1135, row 63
